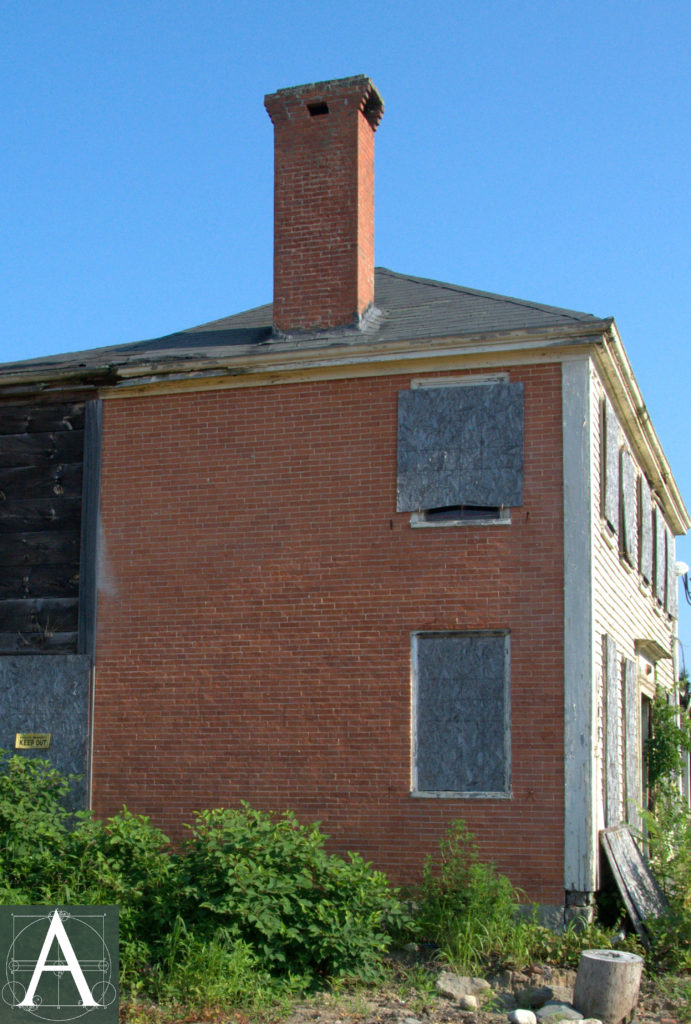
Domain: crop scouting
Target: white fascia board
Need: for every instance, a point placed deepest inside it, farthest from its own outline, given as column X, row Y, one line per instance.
column 620, row 383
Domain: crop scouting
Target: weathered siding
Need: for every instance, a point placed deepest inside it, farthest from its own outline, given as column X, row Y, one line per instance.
column 41, row 462
column 629, row 604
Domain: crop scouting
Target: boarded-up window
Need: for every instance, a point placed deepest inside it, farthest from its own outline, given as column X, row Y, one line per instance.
column 660, row 556
column 645, row 530
column 613, row 776
column 610, row 466
column 461, row 714
column 629, row 532
column 671, row 591
column 631, row 744
column 460, row 446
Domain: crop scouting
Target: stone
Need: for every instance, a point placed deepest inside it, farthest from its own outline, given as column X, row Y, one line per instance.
column 535, row 996
column 558, row 1011
column 468, row 1002
column 454, row 986
column 522, row 1017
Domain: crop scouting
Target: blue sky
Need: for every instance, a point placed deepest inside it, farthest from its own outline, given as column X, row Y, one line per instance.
column 535, row 149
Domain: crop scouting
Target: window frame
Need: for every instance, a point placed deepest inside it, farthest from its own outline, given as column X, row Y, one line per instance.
column 421, row 518
column 415, row 791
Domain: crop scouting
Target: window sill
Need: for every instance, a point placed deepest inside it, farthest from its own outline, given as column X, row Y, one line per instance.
column 452, row 795
column 418, row 521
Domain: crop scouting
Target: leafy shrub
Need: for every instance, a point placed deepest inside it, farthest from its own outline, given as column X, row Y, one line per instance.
column 671, row 738
column 668, row 832
column 125, row 861
column 668, row 836
column 267, row 881
column 471, row 912
column 33, row 827
column 251, row 904
column 203, row 973
column 465, row 907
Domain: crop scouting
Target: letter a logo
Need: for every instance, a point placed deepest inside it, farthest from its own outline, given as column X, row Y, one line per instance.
column 57, row 933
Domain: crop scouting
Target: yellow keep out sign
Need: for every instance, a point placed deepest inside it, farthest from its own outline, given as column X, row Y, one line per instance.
column 32, row 741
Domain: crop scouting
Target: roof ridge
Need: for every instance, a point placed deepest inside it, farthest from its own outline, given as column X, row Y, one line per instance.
column 571, row 314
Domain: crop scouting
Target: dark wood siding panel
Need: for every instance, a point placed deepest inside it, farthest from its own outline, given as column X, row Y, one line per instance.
column 41, row 471
column 41, row 419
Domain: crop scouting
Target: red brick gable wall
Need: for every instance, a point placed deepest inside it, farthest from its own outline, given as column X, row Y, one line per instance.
column 258, row 597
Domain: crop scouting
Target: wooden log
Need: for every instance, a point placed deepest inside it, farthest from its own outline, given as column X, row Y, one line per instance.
column 41, row 616
column 41, row 449
column 55, row 513
column 24, row 482
column 39, row 547
column 31, row 419
column 36, row 643
column 607, row 985
column 18, row 582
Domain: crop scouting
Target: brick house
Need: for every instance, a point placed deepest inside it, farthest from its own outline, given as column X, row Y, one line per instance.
column 388, row 552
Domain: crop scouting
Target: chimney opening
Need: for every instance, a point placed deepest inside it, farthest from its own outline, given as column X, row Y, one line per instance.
column 318, row 109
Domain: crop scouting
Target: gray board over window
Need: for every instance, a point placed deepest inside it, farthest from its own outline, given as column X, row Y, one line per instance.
column 646, row 531
column 611, row 467
column 462, row 713
column 460, row 446
column 629, row 532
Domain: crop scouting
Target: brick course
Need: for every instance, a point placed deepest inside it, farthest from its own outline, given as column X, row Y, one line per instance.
column 258, row 596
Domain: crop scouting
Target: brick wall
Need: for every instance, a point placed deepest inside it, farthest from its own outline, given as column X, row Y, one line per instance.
column 258, row 596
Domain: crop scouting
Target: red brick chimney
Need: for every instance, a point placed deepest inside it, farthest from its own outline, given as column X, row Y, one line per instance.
column 323, row 202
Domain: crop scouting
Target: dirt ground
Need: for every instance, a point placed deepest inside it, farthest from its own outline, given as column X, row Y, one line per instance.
column 655, row 1007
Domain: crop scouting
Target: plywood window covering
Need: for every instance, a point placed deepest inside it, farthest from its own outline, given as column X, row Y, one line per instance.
column 660, row 555
column 613, row 778
column 645, row 530
column 610, row 467
column 631, row 743
column 460, row 446
column 671, row 592
column 461, row 714
column 629, row 531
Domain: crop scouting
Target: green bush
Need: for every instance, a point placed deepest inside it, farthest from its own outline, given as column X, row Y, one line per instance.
column 34, row 828
column 267, row 881
column 670, row 740
column 668, row 837
column 472, row 913
column 464, row 906
column 251, row 904
column 668, row 832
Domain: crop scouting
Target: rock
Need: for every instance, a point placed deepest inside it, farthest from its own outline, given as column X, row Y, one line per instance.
column 454, row 986
column 522, row 1017
column 468, row 1002
column 535, row 996
column 558, row 1011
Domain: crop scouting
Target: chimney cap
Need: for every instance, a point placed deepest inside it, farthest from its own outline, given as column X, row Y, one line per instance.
column 358, row 87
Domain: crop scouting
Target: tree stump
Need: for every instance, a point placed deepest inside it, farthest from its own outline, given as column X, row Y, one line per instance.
column 607, row 984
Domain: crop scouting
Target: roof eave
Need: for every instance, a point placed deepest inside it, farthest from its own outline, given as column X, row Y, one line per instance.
column 278, row 356
column 617, row 374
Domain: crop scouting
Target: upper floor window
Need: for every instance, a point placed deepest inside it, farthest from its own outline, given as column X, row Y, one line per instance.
column 460, row 449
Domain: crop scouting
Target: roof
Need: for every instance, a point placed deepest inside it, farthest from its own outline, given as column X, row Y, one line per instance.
column 405, row 309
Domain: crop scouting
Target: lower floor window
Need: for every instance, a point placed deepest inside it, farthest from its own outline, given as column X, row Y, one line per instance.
column 461, row 714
